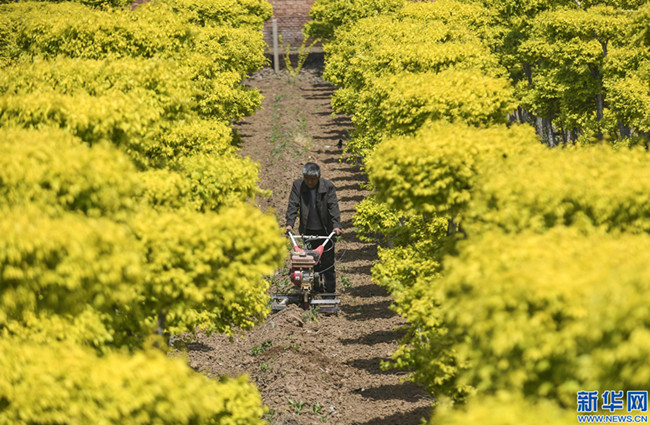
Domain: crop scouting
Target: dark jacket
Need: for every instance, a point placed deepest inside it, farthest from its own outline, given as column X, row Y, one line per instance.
column 326, row 204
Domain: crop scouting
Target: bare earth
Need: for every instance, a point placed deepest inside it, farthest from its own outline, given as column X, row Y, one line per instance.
column 324, row 369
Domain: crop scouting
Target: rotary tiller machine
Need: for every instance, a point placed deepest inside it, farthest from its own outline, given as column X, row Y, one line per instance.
column 306, row 281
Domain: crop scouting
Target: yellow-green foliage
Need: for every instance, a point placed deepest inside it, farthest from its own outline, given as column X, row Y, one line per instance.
column 570, row 47
column 129, row 102
column 384, row 45
column 459, row 13
column 417, row 244
column 76, row 268
column 235, row 13
column 543, row 315
column 400, row 104
column 629, row 96
column 47, row 30
column 216, row 181
column 98, row 248
column 585, row 187
column 328, row 15
column 467, row 96
column 427, row 349
column 63, row 383
column 206, row 269
column 436, row 170
column 503, row 409
column 203, row 182
column 415, row 254
column 120, row 118
column 642, row 23
column 373, row 219
column 51, row 170
column 92, row 3
column 184, row 138
column 562, row 57
column 199, row 261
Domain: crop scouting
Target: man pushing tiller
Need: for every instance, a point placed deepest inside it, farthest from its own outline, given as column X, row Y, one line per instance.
column 312, row 267
column 314, row 199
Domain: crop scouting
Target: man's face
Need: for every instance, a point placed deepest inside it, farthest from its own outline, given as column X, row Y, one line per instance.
column 311, row 181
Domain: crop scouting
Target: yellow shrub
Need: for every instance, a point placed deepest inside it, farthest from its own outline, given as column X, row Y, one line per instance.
column 543, row 315
column 400, row 104
column 80, row 269
column 154, row 109
column 217, row 181
column 63, row 383
column 436, row 170
column 383, row 45
column 503, row 409
column 236, row 13
column 328, row 15
column 586, row 187
column 52, row 170
column 206, row 269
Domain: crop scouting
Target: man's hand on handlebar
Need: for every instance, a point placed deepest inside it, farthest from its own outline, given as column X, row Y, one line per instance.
column 337, row 230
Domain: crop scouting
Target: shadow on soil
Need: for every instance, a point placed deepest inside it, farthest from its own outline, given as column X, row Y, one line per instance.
column 356, row 198
column 413, row 417
column 407, row 391
column 364, row 270
column 198, row 346
column 351, row 186
column 363, row 312
column 372, row 366
column 377, row 337
column 366, row 251
column 370, row 290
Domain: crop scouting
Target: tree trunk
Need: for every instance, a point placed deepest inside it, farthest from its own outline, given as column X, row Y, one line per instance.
column 528, row 70
column 544, row 127
column 598, row 76
column 539, row 127
column 549, row 132
column 564, row 135
column 623, row 130
column 160, row 328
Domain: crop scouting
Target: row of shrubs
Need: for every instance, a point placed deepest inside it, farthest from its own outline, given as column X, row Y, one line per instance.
column 124, row 213
column 519, row 268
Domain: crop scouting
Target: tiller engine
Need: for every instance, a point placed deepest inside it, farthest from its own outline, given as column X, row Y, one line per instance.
column 306, row 281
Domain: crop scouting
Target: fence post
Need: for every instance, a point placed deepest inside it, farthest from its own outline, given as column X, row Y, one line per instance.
column 276, row 55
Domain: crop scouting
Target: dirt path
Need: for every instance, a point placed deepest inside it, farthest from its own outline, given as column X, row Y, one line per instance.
column 325, row 369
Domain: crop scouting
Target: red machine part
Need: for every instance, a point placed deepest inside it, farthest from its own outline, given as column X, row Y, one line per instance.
column 296, row 276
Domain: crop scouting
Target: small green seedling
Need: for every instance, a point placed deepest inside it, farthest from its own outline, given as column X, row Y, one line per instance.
column 297, row 405
column 259, row 349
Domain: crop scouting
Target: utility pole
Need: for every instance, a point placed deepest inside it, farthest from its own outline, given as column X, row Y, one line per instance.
column 276, row 55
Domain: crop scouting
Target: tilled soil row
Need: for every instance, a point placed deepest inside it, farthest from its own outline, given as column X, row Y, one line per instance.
column 326, row 368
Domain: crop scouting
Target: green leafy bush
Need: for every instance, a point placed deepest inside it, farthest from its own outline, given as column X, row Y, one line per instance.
column 152, row 30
